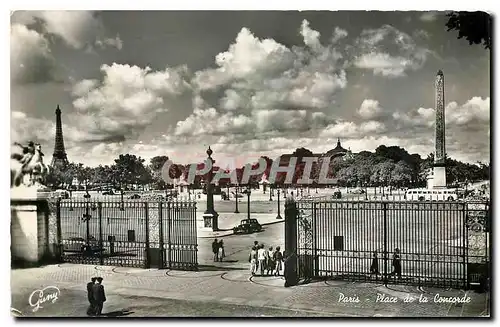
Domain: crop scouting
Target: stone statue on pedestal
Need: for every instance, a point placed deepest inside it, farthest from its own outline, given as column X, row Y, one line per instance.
column 30, row 165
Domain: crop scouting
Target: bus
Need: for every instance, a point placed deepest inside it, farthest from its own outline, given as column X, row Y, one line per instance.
column 421, row 194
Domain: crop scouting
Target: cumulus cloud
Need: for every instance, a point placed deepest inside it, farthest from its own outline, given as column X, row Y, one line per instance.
column 370, row 109
column 388, row 52
column 473, row 114
column 25, row 128
column 126, row 101
column 262, row 74
column 77, row 28
column 31, row 35
column 429, row 16
column 31, row 60
column 211, row 122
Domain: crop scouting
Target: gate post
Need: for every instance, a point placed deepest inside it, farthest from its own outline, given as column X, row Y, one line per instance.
column 315, row 240
column 291, row 213
column 160, row 233
column 101, row 247
column 146, row 212
column 60, row 249
column 384, row 208
column 464, row 245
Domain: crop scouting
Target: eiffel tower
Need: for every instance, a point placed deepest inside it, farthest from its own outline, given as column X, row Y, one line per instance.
column 59, row 158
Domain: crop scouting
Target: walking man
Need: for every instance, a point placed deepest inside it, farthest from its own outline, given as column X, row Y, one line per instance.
column 222, row 254
column 215, row 250
column 270, row 261
column 278, row 258
column 261, row 256
column 252, row 258
column 396, row 263
column 99, row 296
column 374, row 266
column 90, row 296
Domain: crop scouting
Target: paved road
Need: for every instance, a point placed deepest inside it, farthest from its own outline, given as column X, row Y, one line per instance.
column 237, row 247
column 118, row 305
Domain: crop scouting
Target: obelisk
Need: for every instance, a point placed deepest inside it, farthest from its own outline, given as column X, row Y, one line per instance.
column 439, row 175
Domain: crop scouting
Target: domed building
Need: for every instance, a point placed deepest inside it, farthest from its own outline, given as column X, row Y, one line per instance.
column 338, row 151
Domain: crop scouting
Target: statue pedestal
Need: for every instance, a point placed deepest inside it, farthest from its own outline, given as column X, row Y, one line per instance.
column 29, row 227
column 210, row 220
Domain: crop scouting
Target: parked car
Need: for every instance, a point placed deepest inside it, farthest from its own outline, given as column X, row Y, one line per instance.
column 358, row 191
column 78, row 244
column 134, row 196
column 239, row 195
column 62, row 194
column 247, row 226
column 108, row 192
column 337, row 194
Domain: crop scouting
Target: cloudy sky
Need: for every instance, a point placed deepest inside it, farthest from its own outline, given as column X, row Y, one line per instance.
column 246, row 83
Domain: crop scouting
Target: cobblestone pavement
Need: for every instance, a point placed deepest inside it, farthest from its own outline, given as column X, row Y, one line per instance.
column 230, row 286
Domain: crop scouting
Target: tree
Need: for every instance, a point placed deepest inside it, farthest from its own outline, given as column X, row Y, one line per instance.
column 102, row 175
column 156, row 164
column 401, row 175
column 129, row 169
column 475, row 26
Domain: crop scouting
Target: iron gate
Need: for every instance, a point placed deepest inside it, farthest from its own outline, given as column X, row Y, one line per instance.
column 129, row 233
column 441, row 244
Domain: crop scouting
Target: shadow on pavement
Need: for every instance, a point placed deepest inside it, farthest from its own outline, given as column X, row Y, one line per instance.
column 218, row 268
column 118, row 313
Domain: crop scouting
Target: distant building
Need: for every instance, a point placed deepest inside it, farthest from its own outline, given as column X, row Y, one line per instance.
column 339, row 152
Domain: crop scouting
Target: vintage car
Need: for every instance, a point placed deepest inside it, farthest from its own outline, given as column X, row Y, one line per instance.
column 78, row 244
column 247, row 226
column 134, row 196
column 337, row 194
column 108, row 192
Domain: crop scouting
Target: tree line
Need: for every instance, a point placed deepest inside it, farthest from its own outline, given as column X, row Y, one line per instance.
column 386, row 166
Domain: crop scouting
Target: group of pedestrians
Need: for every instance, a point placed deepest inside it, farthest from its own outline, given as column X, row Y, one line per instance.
column 218, row 250
column 96, row 296
column 266, row 261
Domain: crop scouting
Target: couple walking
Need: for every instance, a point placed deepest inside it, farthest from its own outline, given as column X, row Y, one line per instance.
column 96, row 296
column 265, row 261
column 396, row 264
column 218, row 250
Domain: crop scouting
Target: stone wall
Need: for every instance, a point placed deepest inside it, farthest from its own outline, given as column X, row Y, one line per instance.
column 33, row 233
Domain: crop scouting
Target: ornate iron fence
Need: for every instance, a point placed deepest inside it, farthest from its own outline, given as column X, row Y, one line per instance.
column 441, row 244
column 132, row 233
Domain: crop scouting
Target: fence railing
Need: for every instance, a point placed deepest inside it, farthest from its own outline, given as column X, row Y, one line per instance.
column 129, row 233
column 437, row 243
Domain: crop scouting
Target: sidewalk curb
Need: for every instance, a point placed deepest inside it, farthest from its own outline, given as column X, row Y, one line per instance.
column 232, row 233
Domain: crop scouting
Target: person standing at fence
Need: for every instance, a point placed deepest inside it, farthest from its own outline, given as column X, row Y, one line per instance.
column 252, row 258
column 261, row 256
column 90, row 296
column 374, row 266
column 270, row 261
column 215, row 250
column 396, row 263
column 222, row 254
column 99, row 296
column 278, row 258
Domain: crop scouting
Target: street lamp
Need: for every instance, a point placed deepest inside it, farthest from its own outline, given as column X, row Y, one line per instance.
column 279, row 209
column 248, row 192
column 236, row 202
column 86, row 218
